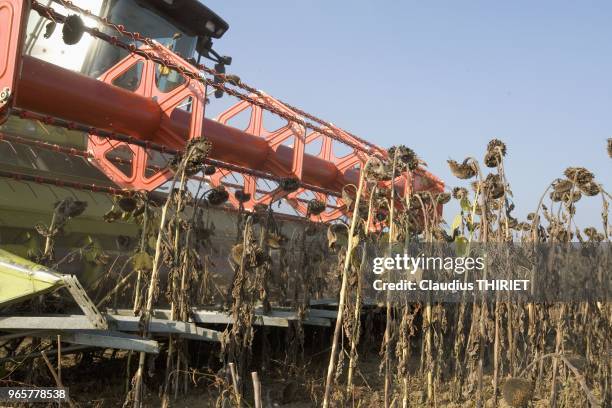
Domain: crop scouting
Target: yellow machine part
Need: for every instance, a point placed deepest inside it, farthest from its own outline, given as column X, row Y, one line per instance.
column 21, row 279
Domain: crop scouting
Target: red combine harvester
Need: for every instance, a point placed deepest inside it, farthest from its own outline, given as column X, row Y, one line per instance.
column 94, row 106
column 142, row 96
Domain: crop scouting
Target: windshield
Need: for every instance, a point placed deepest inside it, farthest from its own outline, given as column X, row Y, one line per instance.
column 135, row 18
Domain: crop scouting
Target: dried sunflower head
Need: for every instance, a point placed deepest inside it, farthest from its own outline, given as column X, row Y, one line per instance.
column 112, row 215
column 415, row 203
column 589, row 189
column 173, row 164
column 348, row 197
column 127, row 204
column 459, row 193
column 562, row 235
column 494, row 186
column 443, row 198
column 496, row 149
column 496, row 145
column 405, row 156
column 464, row 171
column 441, row 235
column 594, row 235
column 590, row 231
column 495, row 204
column 73, row 29
column 218, row 196
column 523, row 226
column 315, row 207
column 562, row 185
column 388, row 170
column 258, row 258
column 209, row 170
column 579, row 175
column 289, row 184
column 512, row 222
column 69, row 207
column 253, row 258
column 196, row 150
column 556, row 196
column 199, row 147
column 241, row 196
column 419, row 199
column 375, row 170
column 572, row 197
column 566, row 197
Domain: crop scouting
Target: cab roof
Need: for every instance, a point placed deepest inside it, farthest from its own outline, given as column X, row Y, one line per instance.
column 191, row 16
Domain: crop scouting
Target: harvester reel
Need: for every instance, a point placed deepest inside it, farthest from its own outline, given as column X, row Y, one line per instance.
column 299, row 139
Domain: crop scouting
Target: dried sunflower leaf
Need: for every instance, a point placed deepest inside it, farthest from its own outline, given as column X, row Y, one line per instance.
column 457, row 222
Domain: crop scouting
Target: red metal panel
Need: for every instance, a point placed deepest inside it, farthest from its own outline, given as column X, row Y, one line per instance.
column 171, row 102
column 13, row 15
column 51, row 90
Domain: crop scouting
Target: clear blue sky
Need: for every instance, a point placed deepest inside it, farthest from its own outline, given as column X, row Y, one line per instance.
column 443, row 77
